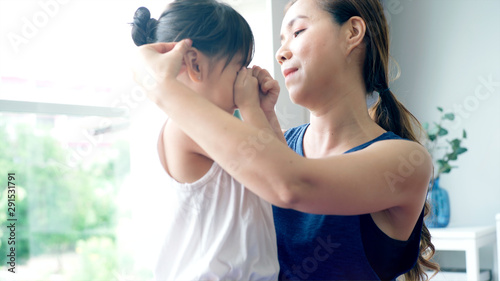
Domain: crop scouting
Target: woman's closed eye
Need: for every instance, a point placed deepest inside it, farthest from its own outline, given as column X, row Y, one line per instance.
column 296, row 33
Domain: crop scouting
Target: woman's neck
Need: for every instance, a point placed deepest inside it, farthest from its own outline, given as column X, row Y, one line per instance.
column 340, row 124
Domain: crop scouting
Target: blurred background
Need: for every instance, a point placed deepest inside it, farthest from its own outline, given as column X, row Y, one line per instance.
column 80, row 136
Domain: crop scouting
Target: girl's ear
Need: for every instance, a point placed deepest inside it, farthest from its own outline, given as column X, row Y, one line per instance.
column 356, row 30
column 193, row 65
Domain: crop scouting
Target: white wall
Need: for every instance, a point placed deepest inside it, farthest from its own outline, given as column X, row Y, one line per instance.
column 449, row 54
column 447, row 50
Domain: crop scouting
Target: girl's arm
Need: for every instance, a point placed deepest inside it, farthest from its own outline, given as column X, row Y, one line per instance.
column 387, row 174
column 256, row 94
column 269, row 92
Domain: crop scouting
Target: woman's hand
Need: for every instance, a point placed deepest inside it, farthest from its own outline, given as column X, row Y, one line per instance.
column 159, row 62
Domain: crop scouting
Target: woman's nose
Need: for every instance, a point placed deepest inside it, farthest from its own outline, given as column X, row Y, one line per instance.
column 283, row 54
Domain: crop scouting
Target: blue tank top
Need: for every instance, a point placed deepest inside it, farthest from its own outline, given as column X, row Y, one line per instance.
column 327, row 247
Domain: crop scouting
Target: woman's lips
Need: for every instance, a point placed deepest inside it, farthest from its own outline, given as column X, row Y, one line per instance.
column 289, row 71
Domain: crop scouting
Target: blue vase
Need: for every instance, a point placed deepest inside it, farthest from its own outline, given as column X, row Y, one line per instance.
column 440, row 206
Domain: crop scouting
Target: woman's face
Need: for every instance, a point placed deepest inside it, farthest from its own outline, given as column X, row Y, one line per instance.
column 310, row 53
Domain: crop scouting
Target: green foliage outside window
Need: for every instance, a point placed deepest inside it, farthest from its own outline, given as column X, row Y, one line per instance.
column 60, row 211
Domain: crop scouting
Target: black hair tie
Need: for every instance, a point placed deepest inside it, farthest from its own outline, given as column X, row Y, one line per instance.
column 384, row 92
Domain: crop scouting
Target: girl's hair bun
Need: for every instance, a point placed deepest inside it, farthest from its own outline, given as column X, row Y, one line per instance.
column 143, row 27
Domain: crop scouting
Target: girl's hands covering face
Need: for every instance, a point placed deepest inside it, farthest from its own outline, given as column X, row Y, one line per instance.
column 246, row 89
column 256, row 87
column 269, row 89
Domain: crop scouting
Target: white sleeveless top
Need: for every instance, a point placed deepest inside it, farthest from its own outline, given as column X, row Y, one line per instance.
column 217, row 230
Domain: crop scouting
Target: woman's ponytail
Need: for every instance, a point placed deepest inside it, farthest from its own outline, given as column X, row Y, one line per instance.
column 391, row 115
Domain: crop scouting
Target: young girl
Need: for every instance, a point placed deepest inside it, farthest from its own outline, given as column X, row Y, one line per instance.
column 351, row 195
column 218, row 230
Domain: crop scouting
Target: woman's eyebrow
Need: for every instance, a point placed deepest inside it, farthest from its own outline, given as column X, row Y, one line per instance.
column 291, row 22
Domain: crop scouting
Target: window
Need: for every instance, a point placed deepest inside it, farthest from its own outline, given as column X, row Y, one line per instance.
column 69, row 167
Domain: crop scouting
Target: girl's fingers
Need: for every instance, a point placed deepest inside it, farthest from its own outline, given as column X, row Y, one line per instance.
column 256, row 70
column 260, row 73
column 265, row 79
column 240, row 78
column 270, row 85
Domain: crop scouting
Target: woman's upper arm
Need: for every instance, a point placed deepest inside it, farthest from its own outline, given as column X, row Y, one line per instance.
column 387, row 174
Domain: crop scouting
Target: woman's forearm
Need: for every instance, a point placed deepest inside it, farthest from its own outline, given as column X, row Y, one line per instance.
column 253, row 155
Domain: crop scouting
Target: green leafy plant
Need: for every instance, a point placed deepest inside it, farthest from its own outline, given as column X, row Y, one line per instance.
column 444, row 152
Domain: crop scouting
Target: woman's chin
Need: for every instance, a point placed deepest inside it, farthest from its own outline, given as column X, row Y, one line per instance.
column 297, row 97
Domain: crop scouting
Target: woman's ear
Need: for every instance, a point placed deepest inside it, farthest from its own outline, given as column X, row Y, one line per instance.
column 356, row 30
column 193, row 65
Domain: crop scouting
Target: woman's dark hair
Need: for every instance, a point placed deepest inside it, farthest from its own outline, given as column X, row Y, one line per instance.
column 215, row 28
column 388, row 112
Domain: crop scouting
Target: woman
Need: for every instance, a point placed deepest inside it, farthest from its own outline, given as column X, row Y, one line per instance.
column 350, row 199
